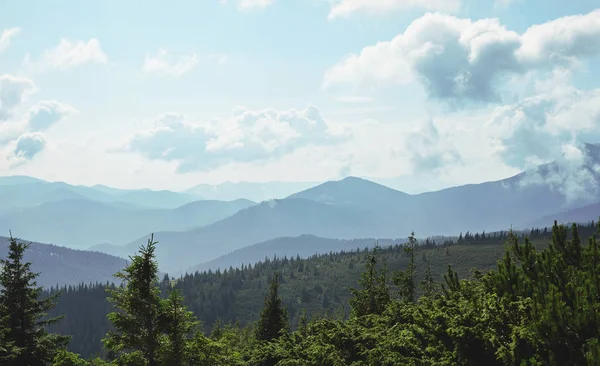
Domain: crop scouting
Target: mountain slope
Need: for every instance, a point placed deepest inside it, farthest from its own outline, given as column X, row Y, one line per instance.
column 268, row 220
column 581, row 215
column 303, row 246
column 64, row 266
column 354, row 192
column 81, row 223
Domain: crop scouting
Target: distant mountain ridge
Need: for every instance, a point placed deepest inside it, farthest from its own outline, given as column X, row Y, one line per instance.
column 81, row 223
column 63, row 266
column 354, row 208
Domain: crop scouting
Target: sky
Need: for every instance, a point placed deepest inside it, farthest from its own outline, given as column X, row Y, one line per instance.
column 418, row 94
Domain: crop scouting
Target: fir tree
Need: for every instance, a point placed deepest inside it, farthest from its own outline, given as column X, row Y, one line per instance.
column 137, row 321
column 25, row 338
column 273, row 317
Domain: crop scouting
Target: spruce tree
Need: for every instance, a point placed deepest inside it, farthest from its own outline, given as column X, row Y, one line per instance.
column 273, row 318
column 137, row 321
column 23, row 315
column 374, row 296
column 179, row 327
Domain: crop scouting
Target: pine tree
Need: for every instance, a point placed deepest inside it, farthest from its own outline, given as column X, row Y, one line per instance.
column 179, row 327
column 26, row 339
column 273, row 317
column 137, row 321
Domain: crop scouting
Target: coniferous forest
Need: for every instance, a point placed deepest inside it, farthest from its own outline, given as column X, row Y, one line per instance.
column 534, row 300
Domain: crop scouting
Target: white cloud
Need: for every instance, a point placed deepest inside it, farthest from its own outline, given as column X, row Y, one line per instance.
column 6, row 37
column 68, row 54
column 164, row 64
column 460, row 60
column 245, row 137
column 13, row 90
column 46, row 113
column 344, row 8
column 29, row 145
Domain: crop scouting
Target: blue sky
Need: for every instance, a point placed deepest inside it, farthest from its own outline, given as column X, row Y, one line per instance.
column 420, row 94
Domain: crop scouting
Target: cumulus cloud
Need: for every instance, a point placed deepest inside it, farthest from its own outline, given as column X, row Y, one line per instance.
column 344, row 8
column 246, row 136
column 13, row 90
column 46, row 113
column 69, row 54
column 6, row 37
column 459, row 60
column 29, row 145
column 164, row 64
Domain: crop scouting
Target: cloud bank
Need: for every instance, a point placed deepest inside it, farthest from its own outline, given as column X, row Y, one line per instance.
column 461, row 60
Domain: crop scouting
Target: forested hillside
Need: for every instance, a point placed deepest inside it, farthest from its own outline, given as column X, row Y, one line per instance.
column 537, row 306
column 60, row 266
column 318, row 285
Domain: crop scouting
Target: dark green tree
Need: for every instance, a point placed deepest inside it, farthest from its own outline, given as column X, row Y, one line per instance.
column 137, row 322
column 179, row 326
column 23, row 314
column 273, row 317
column 405, row 280
column 374, row 295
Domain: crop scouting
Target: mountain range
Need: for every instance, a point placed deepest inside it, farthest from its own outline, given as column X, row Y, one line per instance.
column 197, row 233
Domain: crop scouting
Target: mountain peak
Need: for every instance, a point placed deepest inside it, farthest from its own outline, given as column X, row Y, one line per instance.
column 351, row 191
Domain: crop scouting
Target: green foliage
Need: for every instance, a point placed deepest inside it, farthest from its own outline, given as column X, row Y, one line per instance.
column 540, row 305
column 137, row 321
column 374, row 295
column 179, row 325
column 273, row 317
column 24, row 337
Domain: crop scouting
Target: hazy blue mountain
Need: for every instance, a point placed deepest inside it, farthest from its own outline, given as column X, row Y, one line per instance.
column 303, row 246
column 19, row 191
column 81, row 223
column 18, row 179
column 582, row 215
column 267, row 220
column 64, row 266
column 354, row 192
column 355, row 208
column 255, row 191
